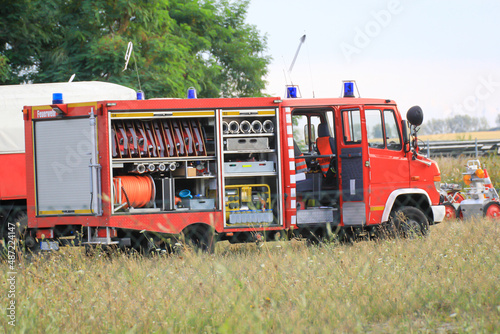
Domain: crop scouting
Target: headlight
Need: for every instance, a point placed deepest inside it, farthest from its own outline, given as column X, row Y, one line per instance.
column 437, row 182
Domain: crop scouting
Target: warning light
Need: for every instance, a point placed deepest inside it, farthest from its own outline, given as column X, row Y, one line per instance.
column 467, row 179
column 57, row 98
column 291, row 92
column 191, row 93
column 140, row 95
column 480, row 173
column 349, row 88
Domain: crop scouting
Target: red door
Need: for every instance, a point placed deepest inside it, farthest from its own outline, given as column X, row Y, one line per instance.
column 353, row 162
column 388, row 162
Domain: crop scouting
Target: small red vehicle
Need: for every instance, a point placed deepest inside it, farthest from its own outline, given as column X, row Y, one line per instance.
column 478, row 200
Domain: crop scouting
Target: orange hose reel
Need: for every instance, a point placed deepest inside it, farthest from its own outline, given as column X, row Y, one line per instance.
column 136, row 191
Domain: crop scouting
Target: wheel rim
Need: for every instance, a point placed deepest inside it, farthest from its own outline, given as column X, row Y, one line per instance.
column 493, row 211
column 450, row 212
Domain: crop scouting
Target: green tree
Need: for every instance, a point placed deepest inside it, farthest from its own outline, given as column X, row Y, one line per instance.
column 177, row 44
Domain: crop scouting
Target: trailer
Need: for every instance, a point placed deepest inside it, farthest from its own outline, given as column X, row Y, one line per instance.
column 12, row 149
column 146, row 173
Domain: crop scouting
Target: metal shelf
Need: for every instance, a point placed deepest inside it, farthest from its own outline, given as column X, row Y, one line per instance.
column 227, row 175
column 163, row 159
column 244, row 135
column 250, row 151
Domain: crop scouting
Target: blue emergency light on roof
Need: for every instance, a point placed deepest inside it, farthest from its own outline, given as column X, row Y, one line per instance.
column 191, row 93
column 57, row 98
column 291, row 92
column 348, row 88
column 140, row 95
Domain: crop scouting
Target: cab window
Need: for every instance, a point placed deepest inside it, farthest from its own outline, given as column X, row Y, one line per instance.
column 305, row 129
column 392, row 131
column 374, row 129
column 351, row 124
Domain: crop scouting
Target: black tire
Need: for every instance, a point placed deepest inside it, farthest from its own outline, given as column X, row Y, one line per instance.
column 409, row 222
column 201, row 237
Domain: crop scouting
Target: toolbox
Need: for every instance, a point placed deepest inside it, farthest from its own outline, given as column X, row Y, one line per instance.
column 198, row 203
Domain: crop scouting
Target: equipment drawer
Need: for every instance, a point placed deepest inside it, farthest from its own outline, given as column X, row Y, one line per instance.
column 249, row 167
column 246, row 144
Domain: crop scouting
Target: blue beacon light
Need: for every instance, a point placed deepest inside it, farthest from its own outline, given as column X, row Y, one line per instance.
column 57, row 98
column 291, row 92
column 349, row 89
column 191, row 93
column 140, row 95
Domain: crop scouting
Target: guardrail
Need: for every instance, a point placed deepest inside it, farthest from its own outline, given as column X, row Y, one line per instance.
column 456, row 148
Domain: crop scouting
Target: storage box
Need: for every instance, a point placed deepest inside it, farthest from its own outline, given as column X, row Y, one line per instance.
column 247, row 144
column 249, row 167
column 181, row 171
column 198, row 203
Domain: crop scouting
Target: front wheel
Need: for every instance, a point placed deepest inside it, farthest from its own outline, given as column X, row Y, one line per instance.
column 451, row 212
column 492, row 210
column 410, row 222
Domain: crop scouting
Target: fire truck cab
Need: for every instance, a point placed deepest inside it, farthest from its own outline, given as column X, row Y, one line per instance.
column 138, row 172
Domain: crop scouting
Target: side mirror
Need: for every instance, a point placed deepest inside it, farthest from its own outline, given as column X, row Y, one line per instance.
column 415, row 115
column 406, row 139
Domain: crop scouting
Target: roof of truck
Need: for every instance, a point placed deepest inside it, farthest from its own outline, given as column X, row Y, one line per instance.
column 14, row 97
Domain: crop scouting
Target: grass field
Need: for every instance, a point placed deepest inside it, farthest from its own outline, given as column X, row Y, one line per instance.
column 447, row 282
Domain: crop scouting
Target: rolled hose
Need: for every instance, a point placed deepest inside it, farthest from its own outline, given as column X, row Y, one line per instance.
column 225, row 127
column 137, row 191
column 268, row 126
column 245, row 127
column 234, row 127
column 256, row 126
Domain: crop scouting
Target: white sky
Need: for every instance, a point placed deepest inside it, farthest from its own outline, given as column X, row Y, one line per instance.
column 441, row 55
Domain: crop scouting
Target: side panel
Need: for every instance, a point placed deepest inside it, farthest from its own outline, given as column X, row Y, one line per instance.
column 63, row 151
column 12, row 176
column 352, row 174
column 288, row 165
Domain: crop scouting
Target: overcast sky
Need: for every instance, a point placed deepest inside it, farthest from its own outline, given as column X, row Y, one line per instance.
column 441, row 55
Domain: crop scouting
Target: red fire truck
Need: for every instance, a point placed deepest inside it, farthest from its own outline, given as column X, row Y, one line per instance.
column 143, row 172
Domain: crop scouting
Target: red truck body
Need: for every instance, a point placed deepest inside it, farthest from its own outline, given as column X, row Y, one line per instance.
column 117, row 171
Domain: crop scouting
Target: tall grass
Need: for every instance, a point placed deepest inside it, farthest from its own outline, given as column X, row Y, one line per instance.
column 447, row 282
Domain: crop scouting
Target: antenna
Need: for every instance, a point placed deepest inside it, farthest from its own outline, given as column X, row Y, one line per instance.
column 128, row 53
column 72, row 77
column 302, row 40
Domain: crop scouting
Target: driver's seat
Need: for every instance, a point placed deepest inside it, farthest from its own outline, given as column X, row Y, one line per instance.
column 326, row 146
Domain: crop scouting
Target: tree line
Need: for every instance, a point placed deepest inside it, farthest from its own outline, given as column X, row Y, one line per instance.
column 176, row 44
column 454, row 124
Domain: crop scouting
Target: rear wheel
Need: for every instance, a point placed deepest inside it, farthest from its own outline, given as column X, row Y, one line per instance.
column 492, row 210
column 451, row 212
column 410, row 222
column 201, row 237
